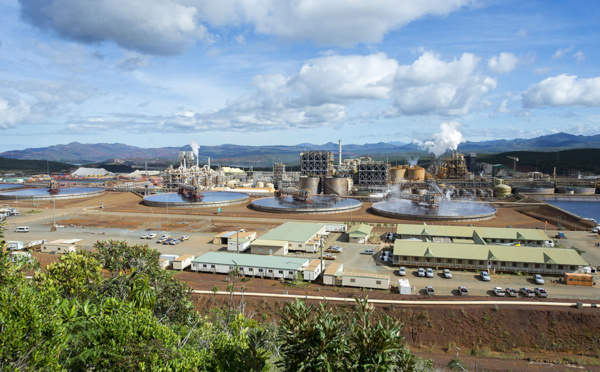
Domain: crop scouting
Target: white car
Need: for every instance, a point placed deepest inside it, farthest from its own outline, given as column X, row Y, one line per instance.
column 538, row 279
column 151, row 236
column 447, row 274
column 463, row 291
column 541, row 292
column 402, row 271
column 429, row 273
column 485, row 276
column 145, row 236
column 421, row 272
column 498, row 291
column 184, row 238
column 368, row 251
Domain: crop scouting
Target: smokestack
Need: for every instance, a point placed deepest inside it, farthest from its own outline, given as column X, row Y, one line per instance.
column 208, row 163
column 340, row 141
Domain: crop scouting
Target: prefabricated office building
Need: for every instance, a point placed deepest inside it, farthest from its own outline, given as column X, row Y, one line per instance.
column 276, row 267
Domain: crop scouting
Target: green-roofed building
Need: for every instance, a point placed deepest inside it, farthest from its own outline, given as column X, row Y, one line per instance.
column 275, row 267
column 479, row 235
column 297, row 236
column 487, row 257
column 359, row 233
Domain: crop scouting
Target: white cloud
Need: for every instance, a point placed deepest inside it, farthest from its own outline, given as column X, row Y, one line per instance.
column 503, row 63
column 432, row 86
column 503, row 108
column 151, row 26
column 564, row 90
column 166, row 27
column 579, row 56
column 13, row 113
column 561, row 52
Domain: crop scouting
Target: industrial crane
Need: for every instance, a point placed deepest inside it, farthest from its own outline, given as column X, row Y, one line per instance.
column 515, row 160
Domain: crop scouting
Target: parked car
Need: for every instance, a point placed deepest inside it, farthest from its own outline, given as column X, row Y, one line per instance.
column 328, row 256
column 541, row 292
column 368, row 251
column 429, row 290
column 402, row 271
column 174, row 241
column 184, row 238
column 334, row 249
column 145, row 236
column 527, row 292
column 538, row 279
column 512, row 292
column 165, row 236
column 447, row 274
column 463, row 291
column 151, row 236
column 167, row 241
column 485, row 276
column 421, row 272
column 498, row 291
column 429, row 273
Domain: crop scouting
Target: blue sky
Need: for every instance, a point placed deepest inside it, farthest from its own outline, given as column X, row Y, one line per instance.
column 155, row 73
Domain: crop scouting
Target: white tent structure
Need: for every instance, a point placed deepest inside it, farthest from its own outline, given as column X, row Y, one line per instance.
column 91, row 172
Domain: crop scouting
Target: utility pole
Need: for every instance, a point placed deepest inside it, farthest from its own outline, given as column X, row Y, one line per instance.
column 237, row 237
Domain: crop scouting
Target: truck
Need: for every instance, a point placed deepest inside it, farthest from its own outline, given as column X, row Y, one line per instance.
column 404, row 287
column 560, row 235
column 14, row 246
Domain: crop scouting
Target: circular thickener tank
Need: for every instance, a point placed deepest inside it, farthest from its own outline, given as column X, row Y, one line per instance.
column 260, row 184
column 565, row 190
column 397, row 174
column 309, row 183
column 502, row 190
column 584, row 190
column 337, row 186
column 535, row 190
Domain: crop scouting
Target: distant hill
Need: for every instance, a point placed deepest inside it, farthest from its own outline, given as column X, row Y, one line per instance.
column 33, row 166
column 261, row 156
column 583, row 160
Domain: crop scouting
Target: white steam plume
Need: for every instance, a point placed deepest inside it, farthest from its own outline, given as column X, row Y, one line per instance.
column 412, row 161
column 195, row 147
column 447, row 139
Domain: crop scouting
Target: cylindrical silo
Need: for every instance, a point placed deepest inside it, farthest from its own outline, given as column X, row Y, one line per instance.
column 502, row 191
column 337, row 186
column 397, row 174
column 310, row 183
column 260, row 184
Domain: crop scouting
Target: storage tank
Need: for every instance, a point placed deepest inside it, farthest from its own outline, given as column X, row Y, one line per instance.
column 260, row 184
column 310, row 183
column 269, row 185
column 415, row 173
column 502, row 191
column 338, row 186
column 565, row 190
column 397, row 174
column 585, row 190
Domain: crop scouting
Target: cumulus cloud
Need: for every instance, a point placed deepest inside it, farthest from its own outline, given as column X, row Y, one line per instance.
column 503, row 108
column 160, row 27
column 433, row 86
column 12, row 112
column 503, row 63
column 564, row 90
column 165, row 27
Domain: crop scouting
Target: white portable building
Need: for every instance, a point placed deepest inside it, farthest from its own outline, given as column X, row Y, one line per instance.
column 313, row 270
column 404, row 287
column 182, row 262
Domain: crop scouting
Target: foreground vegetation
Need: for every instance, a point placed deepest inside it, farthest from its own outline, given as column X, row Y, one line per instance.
column 116, row 310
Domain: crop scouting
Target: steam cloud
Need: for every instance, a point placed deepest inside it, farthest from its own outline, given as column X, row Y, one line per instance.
column 412, row 161
column 447, row 139
column 195, row 147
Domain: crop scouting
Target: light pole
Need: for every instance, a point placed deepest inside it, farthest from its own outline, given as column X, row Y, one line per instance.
column 237, row 236
column 53, row 212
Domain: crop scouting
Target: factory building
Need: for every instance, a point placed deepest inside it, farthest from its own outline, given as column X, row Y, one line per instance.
column 486, row 257
column 303, row 237
column 476, row 235
column 359, row 233
column 251, row 265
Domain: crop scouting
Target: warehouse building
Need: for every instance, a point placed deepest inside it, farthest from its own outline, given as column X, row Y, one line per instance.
column 486, row 257
column 303, row 237
column 251, row 265
column 474, row 235
column 269, row 247
column 226, row 236
column 359, row 233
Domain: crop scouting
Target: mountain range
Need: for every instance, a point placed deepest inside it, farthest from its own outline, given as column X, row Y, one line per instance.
column 79, row 153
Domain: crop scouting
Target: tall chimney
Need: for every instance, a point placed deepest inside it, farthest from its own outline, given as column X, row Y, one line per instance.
column 340, row 141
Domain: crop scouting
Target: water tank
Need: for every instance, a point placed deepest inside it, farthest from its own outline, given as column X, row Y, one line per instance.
column 415, row 173
column 397, row 174
column 269, row 185
column 310, row 183
column 502, row 191
column 338, row 186
column 260, row 184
